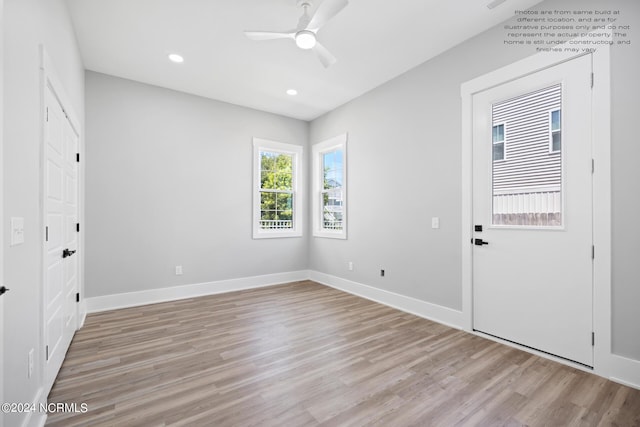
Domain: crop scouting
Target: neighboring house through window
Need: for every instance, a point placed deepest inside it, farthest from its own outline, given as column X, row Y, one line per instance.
column 329, row 205
column 277, row 205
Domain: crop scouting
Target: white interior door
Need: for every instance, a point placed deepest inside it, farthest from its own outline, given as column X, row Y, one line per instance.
column 532, row 198
column 61, row 206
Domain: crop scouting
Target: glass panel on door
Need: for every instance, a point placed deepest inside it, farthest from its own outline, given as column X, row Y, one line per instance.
column 527, row 160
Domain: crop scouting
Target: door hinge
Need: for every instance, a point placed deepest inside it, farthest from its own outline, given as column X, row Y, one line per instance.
column 593, row 165
column 593, row 338
column 593, row 252
column 47, row 114
column 78, row 227
column 592, row 78
column 78, row 297
column 78, row 157
column 47, row 349
column 46, row 234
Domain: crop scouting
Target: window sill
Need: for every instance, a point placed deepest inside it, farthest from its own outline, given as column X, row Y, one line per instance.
column 276, row 235
column 331, row 235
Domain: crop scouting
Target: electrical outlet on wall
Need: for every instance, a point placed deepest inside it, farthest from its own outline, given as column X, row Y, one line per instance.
column 178, row 270
column 350, row 265
column 17, row 231
column 381, row 273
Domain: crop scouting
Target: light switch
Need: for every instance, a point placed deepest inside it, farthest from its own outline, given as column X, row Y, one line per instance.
column 435, row 222
column 17, row 231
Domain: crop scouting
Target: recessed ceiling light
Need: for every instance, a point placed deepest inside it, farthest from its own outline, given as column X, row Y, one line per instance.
column 292, row 92
column 174, row 57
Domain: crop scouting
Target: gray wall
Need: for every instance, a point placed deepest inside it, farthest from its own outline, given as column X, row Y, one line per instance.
column 625, row 150
column 168, row 182
column 27, row 24
column 405, row 167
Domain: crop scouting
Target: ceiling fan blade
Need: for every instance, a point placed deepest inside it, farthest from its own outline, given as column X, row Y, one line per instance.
column 324, row 55
column 327, row 10
column 268, row 35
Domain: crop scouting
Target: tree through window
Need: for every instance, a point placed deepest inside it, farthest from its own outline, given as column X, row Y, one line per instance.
column 276, row 190
column 276, row 199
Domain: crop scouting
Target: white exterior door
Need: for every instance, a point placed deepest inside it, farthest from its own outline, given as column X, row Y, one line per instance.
column 532, row 211
column 61, row 207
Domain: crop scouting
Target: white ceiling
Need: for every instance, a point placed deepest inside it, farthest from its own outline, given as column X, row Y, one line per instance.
column 374, row 41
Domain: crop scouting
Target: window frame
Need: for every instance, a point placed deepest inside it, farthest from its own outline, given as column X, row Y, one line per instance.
column 552, row 130
column 503, row 141
column 318, row 150
column 296, row 151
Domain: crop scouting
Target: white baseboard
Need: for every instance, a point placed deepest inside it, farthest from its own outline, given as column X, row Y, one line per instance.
column 82, row 316
column 36, row 418
column 437, row 313
column 152, row 296
column 625, row 371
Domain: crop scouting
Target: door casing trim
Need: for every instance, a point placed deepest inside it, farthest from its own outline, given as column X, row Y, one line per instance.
column 601, row 148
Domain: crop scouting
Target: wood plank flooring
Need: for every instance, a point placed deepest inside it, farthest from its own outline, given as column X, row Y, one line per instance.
column 303, row 354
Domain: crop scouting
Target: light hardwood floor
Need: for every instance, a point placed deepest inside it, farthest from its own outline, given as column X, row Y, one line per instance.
column 305, row 354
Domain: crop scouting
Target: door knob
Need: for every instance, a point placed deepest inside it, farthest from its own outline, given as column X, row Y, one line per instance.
column 479, row 242
column 3, row 290
column 67, row 253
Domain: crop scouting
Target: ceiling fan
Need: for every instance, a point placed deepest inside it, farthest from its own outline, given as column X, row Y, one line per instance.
column 305, row 34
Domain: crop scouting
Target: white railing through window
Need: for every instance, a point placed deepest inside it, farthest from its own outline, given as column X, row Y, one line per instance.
column 542, row 208
column 270, row 224
column 332, row 225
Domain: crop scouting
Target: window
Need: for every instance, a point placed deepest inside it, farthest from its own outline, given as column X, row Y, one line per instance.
column 330, row 188
column 277, row 204
column 528, row 187
column 498, row 142
column 555, row 128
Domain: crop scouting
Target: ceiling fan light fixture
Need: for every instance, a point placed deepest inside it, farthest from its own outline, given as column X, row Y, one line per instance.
column 305, row 39
column 308, row 25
